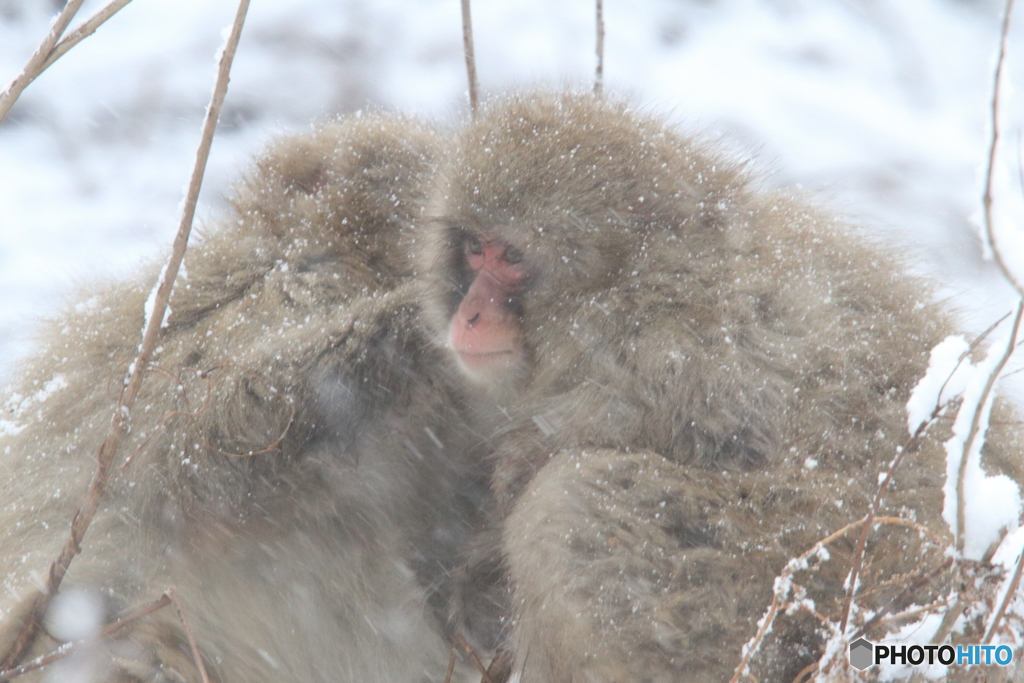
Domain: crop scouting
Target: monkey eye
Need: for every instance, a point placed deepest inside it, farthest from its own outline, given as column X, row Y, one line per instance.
column 513, row 255
column 474, row 246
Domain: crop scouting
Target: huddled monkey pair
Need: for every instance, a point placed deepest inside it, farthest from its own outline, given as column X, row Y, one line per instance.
column 565, row 384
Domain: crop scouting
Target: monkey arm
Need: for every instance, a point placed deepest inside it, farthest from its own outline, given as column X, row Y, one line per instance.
column 629, row 568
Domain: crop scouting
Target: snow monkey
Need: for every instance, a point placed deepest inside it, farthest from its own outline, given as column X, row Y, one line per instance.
column 298, row 467
column 699, row 379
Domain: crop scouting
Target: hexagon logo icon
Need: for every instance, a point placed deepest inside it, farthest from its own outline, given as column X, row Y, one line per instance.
column 861, row 654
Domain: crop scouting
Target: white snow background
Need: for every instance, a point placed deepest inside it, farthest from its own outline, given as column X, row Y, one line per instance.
column 879, row 107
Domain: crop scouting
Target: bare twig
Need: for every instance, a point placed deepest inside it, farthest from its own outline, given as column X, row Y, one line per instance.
column 990, row 236
column 876, row 502
column 930, row 608
column 68, row 648
column 500, row 668
column 599, row 72
column 1011, row 592
column 783, row 584
column 972, row 347
column 806, row 672
column 188, row 634
column 922, row 580
column 86, row 29
column 972, row 434
column 50, row 50
column 84, row 515
column 1009, row 275
column 36, row 62
column 193, row 415
column 467, row 47
column 858, row 556
column 468, row 650
column 451, row 667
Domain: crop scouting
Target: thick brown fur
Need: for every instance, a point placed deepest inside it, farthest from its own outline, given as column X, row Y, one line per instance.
column 711, row 378
column 298, row 468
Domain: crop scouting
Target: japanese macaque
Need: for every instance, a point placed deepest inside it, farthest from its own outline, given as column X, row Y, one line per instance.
column 298, row 467
column 699, row 379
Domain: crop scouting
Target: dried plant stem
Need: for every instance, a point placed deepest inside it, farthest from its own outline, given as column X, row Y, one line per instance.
column 599, row 71
column 806, row 672
column 53, row 47
column 1009, row 275
column 86, row 29
column 84, row 515
column 972, row 434
column 784, row 581
column 1010, row 593
column 500, row 668
column 869, row 518
column 68, row 648
column 467, row 47
column 858, row 555
column 173, row 595
column 468, row 650
column 34, row 67
column 784, row 578
column 451, row 666
column 990, row 236
column 920, row 581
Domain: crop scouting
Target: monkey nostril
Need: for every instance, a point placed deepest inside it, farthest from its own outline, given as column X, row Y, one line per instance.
column 473, row 319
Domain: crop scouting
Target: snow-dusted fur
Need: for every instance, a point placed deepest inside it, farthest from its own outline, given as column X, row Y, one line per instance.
column 307, row 560
column 713, row 378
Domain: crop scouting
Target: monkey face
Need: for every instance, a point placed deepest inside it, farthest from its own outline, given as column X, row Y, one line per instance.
column 484, row 332
column 482, row 283
column 544, row 203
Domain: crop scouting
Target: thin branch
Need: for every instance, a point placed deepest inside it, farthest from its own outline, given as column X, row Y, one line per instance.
column 876, row 503
column 972, row 434
column 188, row 634
column 1009, row 275
column 971, row 348
column 49, row 51
column 68, row 648
column 1011, row 592
column 782, row 584
column 599, row 72
column 467, row 47
column 36, row 62
column 119, row 422
column 500, row 668
column 806, row 672
column 468, row 650
column 193, row 415
column 451, row 666
column 920, row 581
column 86, row 29
column 990, row 236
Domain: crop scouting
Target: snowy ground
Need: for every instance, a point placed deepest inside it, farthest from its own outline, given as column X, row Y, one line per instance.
column 879, row 107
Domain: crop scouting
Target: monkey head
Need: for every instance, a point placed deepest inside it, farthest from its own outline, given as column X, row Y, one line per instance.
column 545, row 201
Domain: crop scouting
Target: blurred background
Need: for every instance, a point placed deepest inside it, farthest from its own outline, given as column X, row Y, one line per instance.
column 878, row 108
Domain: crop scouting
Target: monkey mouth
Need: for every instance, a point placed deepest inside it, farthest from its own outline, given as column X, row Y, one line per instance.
column 484, row 361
